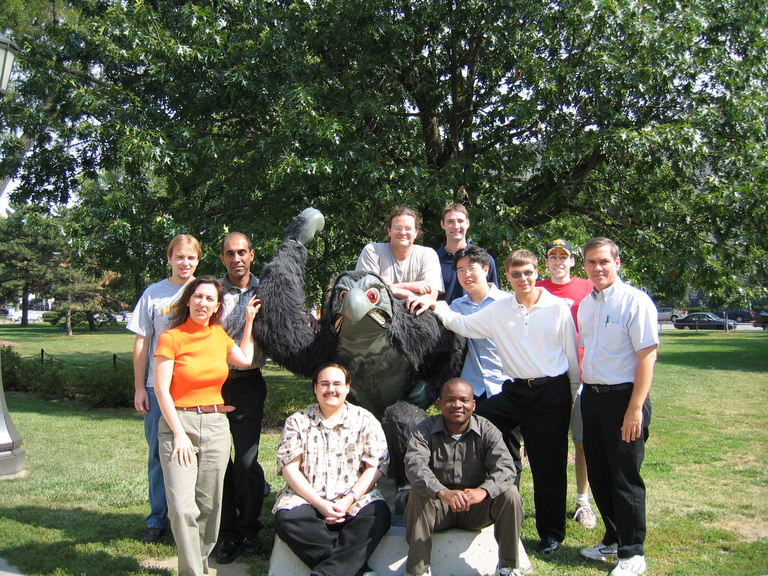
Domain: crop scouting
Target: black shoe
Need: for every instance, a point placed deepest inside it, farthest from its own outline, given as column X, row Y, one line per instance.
column 547, row 545
column 250, row 547
column 227, row 552
column 152, row 535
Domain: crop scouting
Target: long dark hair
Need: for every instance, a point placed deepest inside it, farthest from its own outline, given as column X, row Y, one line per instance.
column 181, row 313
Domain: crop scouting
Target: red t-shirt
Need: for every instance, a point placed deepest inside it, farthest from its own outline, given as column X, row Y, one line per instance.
column 199, row 355
column 573, row 293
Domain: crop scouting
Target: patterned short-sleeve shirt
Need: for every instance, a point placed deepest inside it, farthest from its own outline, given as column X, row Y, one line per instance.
column 332, row 458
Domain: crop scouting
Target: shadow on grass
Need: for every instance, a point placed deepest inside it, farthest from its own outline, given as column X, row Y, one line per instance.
column 77, row 541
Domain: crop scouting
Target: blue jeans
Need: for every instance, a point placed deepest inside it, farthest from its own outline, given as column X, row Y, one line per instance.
column 158, row 507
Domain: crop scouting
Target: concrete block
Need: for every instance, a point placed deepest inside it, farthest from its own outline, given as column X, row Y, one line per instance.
column 454, row 553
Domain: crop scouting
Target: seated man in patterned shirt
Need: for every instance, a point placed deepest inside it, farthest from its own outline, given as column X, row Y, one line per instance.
column 331, row 455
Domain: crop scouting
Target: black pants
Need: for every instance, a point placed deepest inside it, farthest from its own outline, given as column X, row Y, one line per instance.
column 613, row 467
column 513, row 441
column 305, row 532
column 543, row 414
column 244, row 479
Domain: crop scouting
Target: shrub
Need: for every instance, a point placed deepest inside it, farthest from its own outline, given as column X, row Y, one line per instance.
column 111, row 388
column 11, row 361
column 45, row 378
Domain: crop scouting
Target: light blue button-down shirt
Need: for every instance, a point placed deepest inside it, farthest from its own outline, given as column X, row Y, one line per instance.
column 613, row 325
column 482, row 366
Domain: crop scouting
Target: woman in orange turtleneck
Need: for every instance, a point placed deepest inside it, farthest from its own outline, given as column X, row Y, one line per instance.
column 191, row 365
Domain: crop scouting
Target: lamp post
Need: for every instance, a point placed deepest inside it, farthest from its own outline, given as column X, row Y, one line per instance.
column 11, row 453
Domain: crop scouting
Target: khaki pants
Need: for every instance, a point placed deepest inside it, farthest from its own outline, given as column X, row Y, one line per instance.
column 423, row 516
column 194, row 493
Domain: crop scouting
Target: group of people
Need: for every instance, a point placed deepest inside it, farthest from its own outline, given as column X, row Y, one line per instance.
column 198, row 381
column 566, row 353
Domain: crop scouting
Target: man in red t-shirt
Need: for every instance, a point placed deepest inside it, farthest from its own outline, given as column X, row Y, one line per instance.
column 573, row 290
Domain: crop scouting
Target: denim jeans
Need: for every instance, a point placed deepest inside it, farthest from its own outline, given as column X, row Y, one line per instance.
column 158, row 506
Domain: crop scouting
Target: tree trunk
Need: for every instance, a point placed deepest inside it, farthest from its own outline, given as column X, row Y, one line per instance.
column 68, row 323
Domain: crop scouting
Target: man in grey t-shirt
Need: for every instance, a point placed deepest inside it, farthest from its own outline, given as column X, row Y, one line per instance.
column 150, row 319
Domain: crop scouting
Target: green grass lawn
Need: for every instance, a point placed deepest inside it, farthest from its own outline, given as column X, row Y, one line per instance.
column 80, row 508
column 83, row 349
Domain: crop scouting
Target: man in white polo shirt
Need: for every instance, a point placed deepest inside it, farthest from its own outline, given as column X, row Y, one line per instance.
column 618, row 329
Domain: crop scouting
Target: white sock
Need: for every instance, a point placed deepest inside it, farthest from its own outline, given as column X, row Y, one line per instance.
column 582, row 499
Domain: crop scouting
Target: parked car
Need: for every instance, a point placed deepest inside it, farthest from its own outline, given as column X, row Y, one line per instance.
column 670, row 314
column 704, row 321
column 761, row 320
column 736, row 314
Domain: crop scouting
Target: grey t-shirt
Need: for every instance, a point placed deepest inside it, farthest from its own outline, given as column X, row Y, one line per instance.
column 421, row 264
column 151, row 317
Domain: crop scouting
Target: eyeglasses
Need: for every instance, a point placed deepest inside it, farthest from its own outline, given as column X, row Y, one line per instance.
column 470, row 270
column 406, row 229
column 327, row 384
column 527, row 274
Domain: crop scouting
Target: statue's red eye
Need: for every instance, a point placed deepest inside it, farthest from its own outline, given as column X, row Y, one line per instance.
column 373, row 295
column 342, row 295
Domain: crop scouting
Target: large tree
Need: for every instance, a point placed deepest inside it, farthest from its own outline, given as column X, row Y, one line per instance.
column 645, row 121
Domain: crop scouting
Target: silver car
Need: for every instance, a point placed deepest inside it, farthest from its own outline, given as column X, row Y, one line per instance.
column 670, row 314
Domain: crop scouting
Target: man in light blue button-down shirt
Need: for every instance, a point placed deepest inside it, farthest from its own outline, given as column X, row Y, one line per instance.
column 618, row 329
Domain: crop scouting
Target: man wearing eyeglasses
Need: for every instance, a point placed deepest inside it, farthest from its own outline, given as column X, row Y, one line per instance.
column 410, row 270
column 536, row 341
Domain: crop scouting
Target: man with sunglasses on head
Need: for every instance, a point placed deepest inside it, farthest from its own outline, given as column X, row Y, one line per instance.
column 536, row 341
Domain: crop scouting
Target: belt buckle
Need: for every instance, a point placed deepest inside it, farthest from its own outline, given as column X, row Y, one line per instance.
column 531, row 381
column 198, row 410
column 597, row 389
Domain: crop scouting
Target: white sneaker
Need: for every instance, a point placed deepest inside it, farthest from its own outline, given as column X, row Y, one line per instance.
column 507, row 571
column 600, row 552
column 629, row 566
column 585, row 516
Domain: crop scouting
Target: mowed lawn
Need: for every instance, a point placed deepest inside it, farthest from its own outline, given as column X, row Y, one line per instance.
column 80, row 508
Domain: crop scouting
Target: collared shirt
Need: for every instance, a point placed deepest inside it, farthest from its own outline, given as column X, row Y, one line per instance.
column 478, row 459
column 453, row 289
column 614, row 324
column 420, row 265
column 482, row 366
column 233, row 317
column 532, row 342
column 332, row 458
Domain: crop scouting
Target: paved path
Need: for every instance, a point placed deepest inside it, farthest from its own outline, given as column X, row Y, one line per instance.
column 234, row 569
column 8, row 570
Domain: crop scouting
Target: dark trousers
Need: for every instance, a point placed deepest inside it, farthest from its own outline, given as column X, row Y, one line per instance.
column 425, row 516
column 305, row 532
column 543, row 414
column 244, row 479
column 513, row 441
column 613, row 468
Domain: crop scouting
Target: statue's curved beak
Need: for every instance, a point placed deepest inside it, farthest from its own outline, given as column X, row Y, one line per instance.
column 356, row 305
